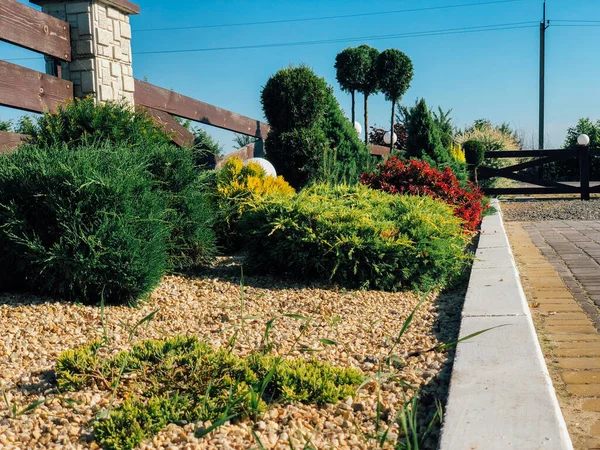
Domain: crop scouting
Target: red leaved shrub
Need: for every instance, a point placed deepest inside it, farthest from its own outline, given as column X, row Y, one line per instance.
column 413, row 177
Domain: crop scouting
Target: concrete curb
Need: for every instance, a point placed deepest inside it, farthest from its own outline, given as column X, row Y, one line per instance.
column 501, row 395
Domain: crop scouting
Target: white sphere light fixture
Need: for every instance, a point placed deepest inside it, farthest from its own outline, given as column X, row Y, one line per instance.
column 358, row 127
column 266, row 165
column 388, row 137
column 583, row 140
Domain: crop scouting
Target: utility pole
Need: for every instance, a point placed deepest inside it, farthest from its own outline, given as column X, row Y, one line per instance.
column 543, row 27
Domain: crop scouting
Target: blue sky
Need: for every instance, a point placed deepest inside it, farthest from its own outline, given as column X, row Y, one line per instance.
column 490, row 74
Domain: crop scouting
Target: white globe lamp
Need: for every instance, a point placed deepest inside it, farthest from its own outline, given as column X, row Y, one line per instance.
column 583, row 140
column 266, row 165
column 388, row 137
column 358, row 127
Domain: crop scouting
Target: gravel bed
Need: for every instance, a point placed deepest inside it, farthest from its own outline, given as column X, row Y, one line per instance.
column 536, row 209
column 35, row 331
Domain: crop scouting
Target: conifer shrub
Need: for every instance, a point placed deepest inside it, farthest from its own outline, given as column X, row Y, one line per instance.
column 294, row 98
column 236, row 188
column 310, row 138
column 414, row 177
column 357, row 237
column 83, row 121
column 474, row 152
column 192, row 240
column 184, row 379
column 81, row 225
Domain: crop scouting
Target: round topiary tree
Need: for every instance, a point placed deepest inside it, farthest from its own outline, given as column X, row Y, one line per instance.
column 475, row 155
column 294, row 97
column 348, row 70
column 369, row 82
column 394, row 72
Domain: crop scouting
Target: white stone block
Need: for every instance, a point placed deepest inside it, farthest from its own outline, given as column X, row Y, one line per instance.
column 103, row 37
column 125, row 30
column 128, row 84
column 117, row 53
column 105, row 76
column 113, row 13
column 79, row 7
column 115, row 69
column 106, row 93
column 116, row 30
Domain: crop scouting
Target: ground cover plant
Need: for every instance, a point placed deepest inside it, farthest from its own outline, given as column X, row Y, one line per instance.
column 414, row 177
column 184, row 379
column 357, row 237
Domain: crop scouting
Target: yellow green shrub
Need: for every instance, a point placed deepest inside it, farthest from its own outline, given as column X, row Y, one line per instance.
column 457, row 153
column 237, row 188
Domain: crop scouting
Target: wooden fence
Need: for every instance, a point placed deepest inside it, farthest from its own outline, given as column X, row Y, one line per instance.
column 38, row 92
column 536, row 160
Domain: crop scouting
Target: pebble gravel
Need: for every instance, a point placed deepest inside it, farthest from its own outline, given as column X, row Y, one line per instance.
column 34, row 331
column 536, row 209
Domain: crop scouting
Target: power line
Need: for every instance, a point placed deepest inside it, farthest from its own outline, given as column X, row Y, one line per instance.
column 448, row 31
column 482, row 28
column 345, row 16
column 577, row 21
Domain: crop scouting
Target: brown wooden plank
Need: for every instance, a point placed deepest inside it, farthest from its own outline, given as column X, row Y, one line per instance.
column 179, row 134
column 379, row 150
column 162, row 99
column 32, row 29
column 10, row 141
column 243, row 153
column 30, row 90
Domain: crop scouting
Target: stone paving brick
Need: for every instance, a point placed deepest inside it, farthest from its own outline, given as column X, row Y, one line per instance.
column 579, row 363
column 574, row 337
column 596, row 429
column 570, row 307
column 591, row 405
column 576, row 352
column 584, row 390
column 581, row 377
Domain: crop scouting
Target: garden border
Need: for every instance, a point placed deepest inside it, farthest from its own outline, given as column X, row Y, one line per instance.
column 501, row 394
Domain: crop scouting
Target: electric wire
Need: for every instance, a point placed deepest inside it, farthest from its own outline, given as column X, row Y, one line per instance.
column 462, row 30
column 345, row 16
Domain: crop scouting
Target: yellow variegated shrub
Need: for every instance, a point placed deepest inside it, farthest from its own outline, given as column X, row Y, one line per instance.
column 457, row 153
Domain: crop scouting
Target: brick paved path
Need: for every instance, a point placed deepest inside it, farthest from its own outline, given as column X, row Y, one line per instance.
column 573, row 248
column 559, row 267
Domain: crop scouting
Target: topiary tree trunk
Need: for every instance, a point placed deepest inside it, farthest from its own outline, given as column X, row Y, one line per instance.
column 392, row 126
column 366, row 119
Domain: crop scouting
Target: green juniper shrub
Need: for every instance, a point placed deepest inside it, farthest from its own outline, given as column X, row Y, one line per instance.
column 83, row 121
column 357, row 237
column 184, row 379
column 81, row 225
column 192, row 241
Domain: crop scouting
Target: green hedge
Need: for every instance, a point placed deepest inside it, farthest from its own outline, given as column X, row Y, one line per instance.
column 356, row 237
column 81, row 225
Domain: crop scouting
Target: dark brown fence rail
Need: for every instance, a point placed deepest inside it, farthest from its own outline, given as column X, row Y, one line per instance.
column 29, row 28
column 30, row 90
column 179, row 134
column 162, row 99
column 541, row 186
column 9, row 141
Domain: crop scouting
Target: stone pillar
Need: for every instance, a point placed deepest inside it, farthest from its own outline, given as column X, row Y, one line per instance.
column 101, row 63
